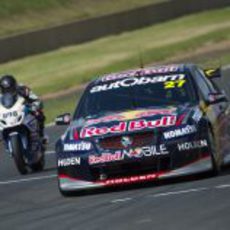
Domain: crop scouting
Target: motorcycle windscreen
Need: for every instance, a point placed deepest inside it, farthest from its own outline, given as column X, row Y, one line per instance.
column 8, row 100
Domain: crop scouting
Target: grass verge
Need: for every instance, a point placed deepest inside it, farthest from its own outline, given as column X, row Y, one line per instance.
column 23, row 15
column 66, row 67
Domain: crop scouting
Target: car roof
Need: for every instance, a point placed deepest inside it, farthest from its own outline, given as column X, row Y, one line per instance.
column 157, row 69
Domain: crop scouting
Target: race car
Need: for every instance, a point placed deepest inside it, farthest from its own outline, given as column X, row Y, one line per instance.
column 144, row 125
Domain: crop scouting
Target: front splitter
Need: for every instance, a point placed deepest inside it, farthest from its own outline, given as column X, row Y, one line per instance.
column 67, row 183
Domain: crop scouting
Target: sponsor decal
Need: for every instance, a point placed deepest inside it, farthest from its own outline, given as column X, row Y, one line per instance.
column 117, row 117
column 94, row 131
column 180, row 119
column 105, row 158
column 189, row 129
column 197, row 115
column 143, row 124
column 174, row 84
column 10, row 114
column 126, row 141
column 153, row 112
column 141, row 72
column 134, row 81
column 69, row 161
column 75, row 135
column 146, row 151
column 81, row 146
column 132, row 179
column 128, row 126
column 192, row 145
column 132, row 115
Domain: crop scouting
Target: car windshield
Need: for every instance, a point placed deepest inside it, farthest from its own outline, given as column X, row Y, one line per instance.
column 136, row 92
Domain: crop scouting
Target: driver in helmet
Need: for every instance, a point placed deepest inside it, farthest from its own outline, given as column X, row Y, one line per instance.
column 8, row 84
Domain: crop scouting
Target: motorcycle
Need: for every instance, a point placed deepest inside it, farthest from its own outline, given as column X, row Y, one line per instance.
column 20, row 134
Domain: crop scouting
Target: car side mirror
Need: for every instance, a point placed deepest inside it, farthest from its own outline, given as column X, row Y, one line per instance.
column 63, row 119
column 216, row 98
column 212, row 73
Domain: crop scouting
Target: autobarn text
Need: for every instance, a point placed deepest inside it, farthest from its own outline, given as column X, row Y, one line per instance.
column 135, row 81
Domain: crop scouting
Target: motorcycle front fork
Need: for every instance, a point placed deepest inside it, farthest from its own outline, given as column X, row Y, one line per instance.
column 8, row 146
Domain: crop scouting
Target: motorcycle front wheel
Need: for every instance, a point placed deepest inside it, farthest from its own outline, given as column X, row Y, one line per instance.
column 17, row 149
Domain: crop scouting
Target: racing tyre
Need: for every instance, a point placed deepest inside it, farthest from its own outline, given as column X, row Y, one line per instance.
column 65, row 193
column 72, row 193
column 39, row 166
column 18, row 154
column 216, row 165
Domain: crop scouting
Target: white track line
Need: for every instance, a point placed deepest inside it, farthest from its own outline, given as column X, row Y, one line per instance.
column 27, row 179
column 49, row 152
column 223, row 186
column 121, row 200
column 144, row 221
column 30, row 178
column 192, row 190
column 179, row 192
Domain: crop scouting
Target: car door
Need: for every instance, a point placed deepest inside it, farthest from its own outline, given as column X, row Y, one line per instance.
column 216, row 107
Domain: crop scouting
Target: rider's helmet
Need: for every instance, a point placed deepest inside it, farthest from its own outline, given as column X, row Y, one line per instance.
column 8, row 84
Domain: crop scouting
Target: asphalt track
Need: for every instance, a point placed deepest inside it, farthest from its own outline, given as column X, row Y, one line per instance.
column 33, row 201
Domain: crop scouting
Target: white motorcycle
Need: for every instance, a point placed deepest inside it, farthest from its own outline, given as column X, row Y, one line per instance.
column 20, row 133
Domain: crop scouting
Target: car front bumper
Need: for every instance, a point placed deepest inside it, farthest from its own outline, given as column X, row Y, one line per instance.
column 68, row 183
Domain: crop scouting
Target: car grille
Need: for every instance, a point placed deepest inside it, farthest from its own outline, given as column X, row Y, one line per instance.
column 143, row 166
column 137, row 140
column 134, row 168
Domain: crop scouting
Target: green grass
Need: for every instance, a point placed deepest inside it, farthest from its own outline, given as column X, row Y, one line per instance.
column 23, row 15
column 58, row 106
column 222, row 60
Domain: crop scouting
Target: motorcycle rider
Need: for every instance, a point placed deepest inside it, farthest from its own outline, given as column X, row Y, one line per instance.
column 8, row 84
